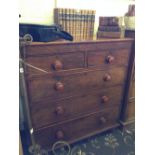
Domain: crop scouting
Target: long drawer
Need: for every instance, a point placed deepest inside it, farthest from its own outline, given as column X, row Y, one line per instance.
column 49, row 112
column 78, row 128
column 56, row 87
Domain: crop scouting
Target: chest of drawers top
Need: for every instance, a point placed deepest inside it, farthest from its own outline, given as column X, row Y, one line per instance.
column 46, row 48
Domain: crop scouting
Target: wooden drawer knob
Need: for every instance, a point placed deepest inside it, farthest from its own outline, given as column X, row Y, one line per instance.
column 59, row 86
column 102, row 120
column 105, row 99
column 59, row 110
column 107, row 77
column 59, row 134
column 57, row 65
column 110, row 59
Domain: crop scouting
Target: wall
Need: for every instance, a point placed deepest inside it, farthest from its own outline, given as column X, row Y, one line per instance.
column 36, row 11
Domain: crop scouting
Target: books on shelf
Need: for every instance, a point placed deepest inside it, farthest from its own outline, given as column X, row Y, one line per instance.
column 79, row 23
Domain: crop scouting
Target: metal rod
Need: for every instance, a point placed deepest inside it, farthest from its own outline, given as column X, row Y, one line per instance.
column 23, row 91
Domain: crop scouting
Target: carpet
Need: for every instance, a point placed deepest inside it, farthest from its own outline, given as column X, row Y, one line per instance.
column 112, row 142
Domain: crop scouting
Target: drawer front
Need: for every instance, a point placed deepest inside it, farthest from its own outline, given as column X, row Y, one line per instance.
column 55, row 62
column 77, row 128
column 52, row 112
column 66, row 86
column 108, row 58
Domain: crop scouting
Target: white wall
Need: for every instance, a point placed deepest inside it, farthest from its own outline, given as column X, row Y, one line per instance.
column 36, row 11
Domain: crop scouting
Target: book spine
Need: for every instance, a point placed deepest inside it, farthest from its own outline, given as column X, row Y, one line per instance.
column 74, row 24
column 86, row 28
column 89, row 24
column 79, row 25
column 82, row 23
column 91, row 32
column 92, row 23
column 63, row 18
column 59, row 17
column 74, row 28
column 77, row 28
column 72, row 20
column 85, row 25
column 69, row 21
column 56, row 16
column 66, row 19
column 75, row 16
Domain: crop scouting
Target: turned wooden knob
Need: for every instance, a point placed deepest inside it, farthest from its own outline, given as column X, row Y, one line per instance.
column 107, row 77
column 102, row 120
column 59, row 110
column 59, row 86
column 105, row 99
column 57, row 65
column 110, row 59
column 59, row 134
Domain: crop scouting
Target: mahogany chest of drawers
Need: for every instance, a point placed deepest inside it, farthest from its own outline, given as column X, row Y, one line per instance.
column 75, row 89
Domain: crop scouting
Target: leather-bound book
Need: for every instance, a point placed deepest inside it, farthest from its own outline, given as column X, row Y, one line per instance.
column 103, row 21
column 109, row 28
column 89, row 23
column 63, row 17
column 108, row 21
column 72, row 21
column 56, row 15
column 103, row 34
column 113, row 21
column 78, row 24
column 82, row 24
column 92, row 23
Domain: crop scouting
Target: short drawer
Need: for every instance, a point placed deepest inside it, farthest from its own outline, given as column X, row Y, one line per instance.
column 52, row 63
column 49, row 112
column 108, row 58
column 78, row 128
column 56, row 87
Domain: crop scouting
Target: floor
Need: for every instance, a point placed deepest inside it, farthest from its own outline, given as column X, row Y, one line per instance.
column 112, row 142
